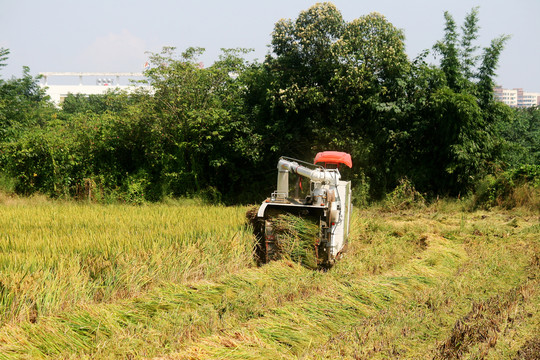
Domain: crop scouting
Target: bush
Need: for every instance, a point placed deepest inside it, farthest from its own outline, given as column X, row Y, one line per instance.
column 404, row 196
column 360, row 194
column 527, row 173
column 517, row 187
column 7, row 184
column 210, row 196
column 42, row 161
column 135, row 189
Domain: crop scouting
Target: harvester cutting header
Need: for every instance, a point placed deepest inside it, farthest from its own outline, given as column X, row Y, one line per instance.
column 328, row 203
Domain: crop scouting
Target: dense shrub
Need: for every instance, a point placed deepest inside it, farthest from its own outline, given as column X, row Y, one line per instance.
column 517, row 187
column 404, row 196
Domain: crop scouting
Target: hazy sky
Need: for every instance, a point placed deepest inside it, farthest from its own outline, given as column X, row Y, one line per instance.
column 113, row 35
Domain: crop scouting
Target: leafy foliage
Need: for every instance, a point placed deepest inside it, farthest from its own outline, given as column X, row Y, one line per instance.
column 332, row 84
column 404, row 196
column 3, row 56
column 522, row 137
column 328, row 84
column 517, row 187
column 23, row 105
column 204, row 141
column 455, row 128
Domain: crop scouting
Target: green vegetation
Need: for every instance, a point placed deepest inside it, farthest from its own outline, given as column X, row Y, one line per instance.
column 297, row 239
column 328, row 84
column 179, row 280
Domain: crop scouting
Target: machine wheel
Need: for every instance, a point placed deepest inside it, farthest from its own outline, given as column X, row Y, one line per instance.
column 267, row 246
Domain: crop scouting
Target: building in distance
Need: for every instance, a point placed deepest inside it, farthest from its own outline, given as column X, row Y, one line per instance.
column 517, row 97
column 103, row 82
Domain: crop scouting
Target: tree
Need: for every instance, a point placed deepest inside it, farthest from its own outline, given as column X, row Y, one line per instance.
column 455, row 133
column 448, row 49
column 331, row 84
column 22, row 104
column 113, row 100
column 486, row 72
column 522, row 136
column 202, row 141
column 298, row 95
column 467, row 54
column 3, row 56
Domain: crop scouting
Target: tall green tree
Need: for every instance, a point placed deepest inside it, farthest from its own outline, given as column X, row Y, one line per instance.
column 371, row 85
column 468, row 56
column 202, row 139
column 448, row 48
column 332, row 84
column 301, row 71
column 455, row 133
column 487, row 71
column 3, row 57
column 23, row 103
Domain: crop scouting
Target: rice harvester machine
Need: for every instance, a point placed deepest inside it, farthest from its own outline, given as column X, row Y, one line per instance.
column 327, row 202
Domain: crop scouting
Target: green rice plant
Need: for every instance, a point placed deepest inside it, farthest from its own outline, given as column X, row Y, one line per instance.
column 58, row 254
column 297, row 238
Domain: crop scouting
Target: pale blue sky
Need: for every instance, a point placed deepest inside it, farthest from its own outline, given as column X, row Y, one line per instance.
column 113, row 35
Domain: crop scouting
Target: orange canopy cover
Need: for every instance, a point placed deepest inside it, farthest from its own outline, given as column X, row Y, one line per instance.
column 333, row 157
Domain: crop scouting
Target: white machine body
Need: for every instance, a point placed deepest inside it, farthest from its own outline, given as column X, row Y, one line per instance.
column 329, row 200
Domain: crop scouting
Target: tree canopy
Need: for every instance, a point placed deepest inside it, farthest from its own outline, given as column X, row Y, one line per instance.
column 328, row 84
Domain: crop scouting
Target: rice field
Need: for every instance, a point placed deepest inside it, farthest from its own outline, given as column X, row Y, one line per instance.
column 179, row 281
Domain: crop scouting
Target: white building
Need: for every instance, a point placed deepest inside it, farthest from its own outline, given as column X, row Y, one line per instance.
column 103, row 83
column 530, row 99
column 517, row 97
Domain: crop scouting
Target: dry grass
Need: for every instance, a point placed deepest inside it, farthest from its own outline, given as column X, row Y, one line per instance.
column 179, row 282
